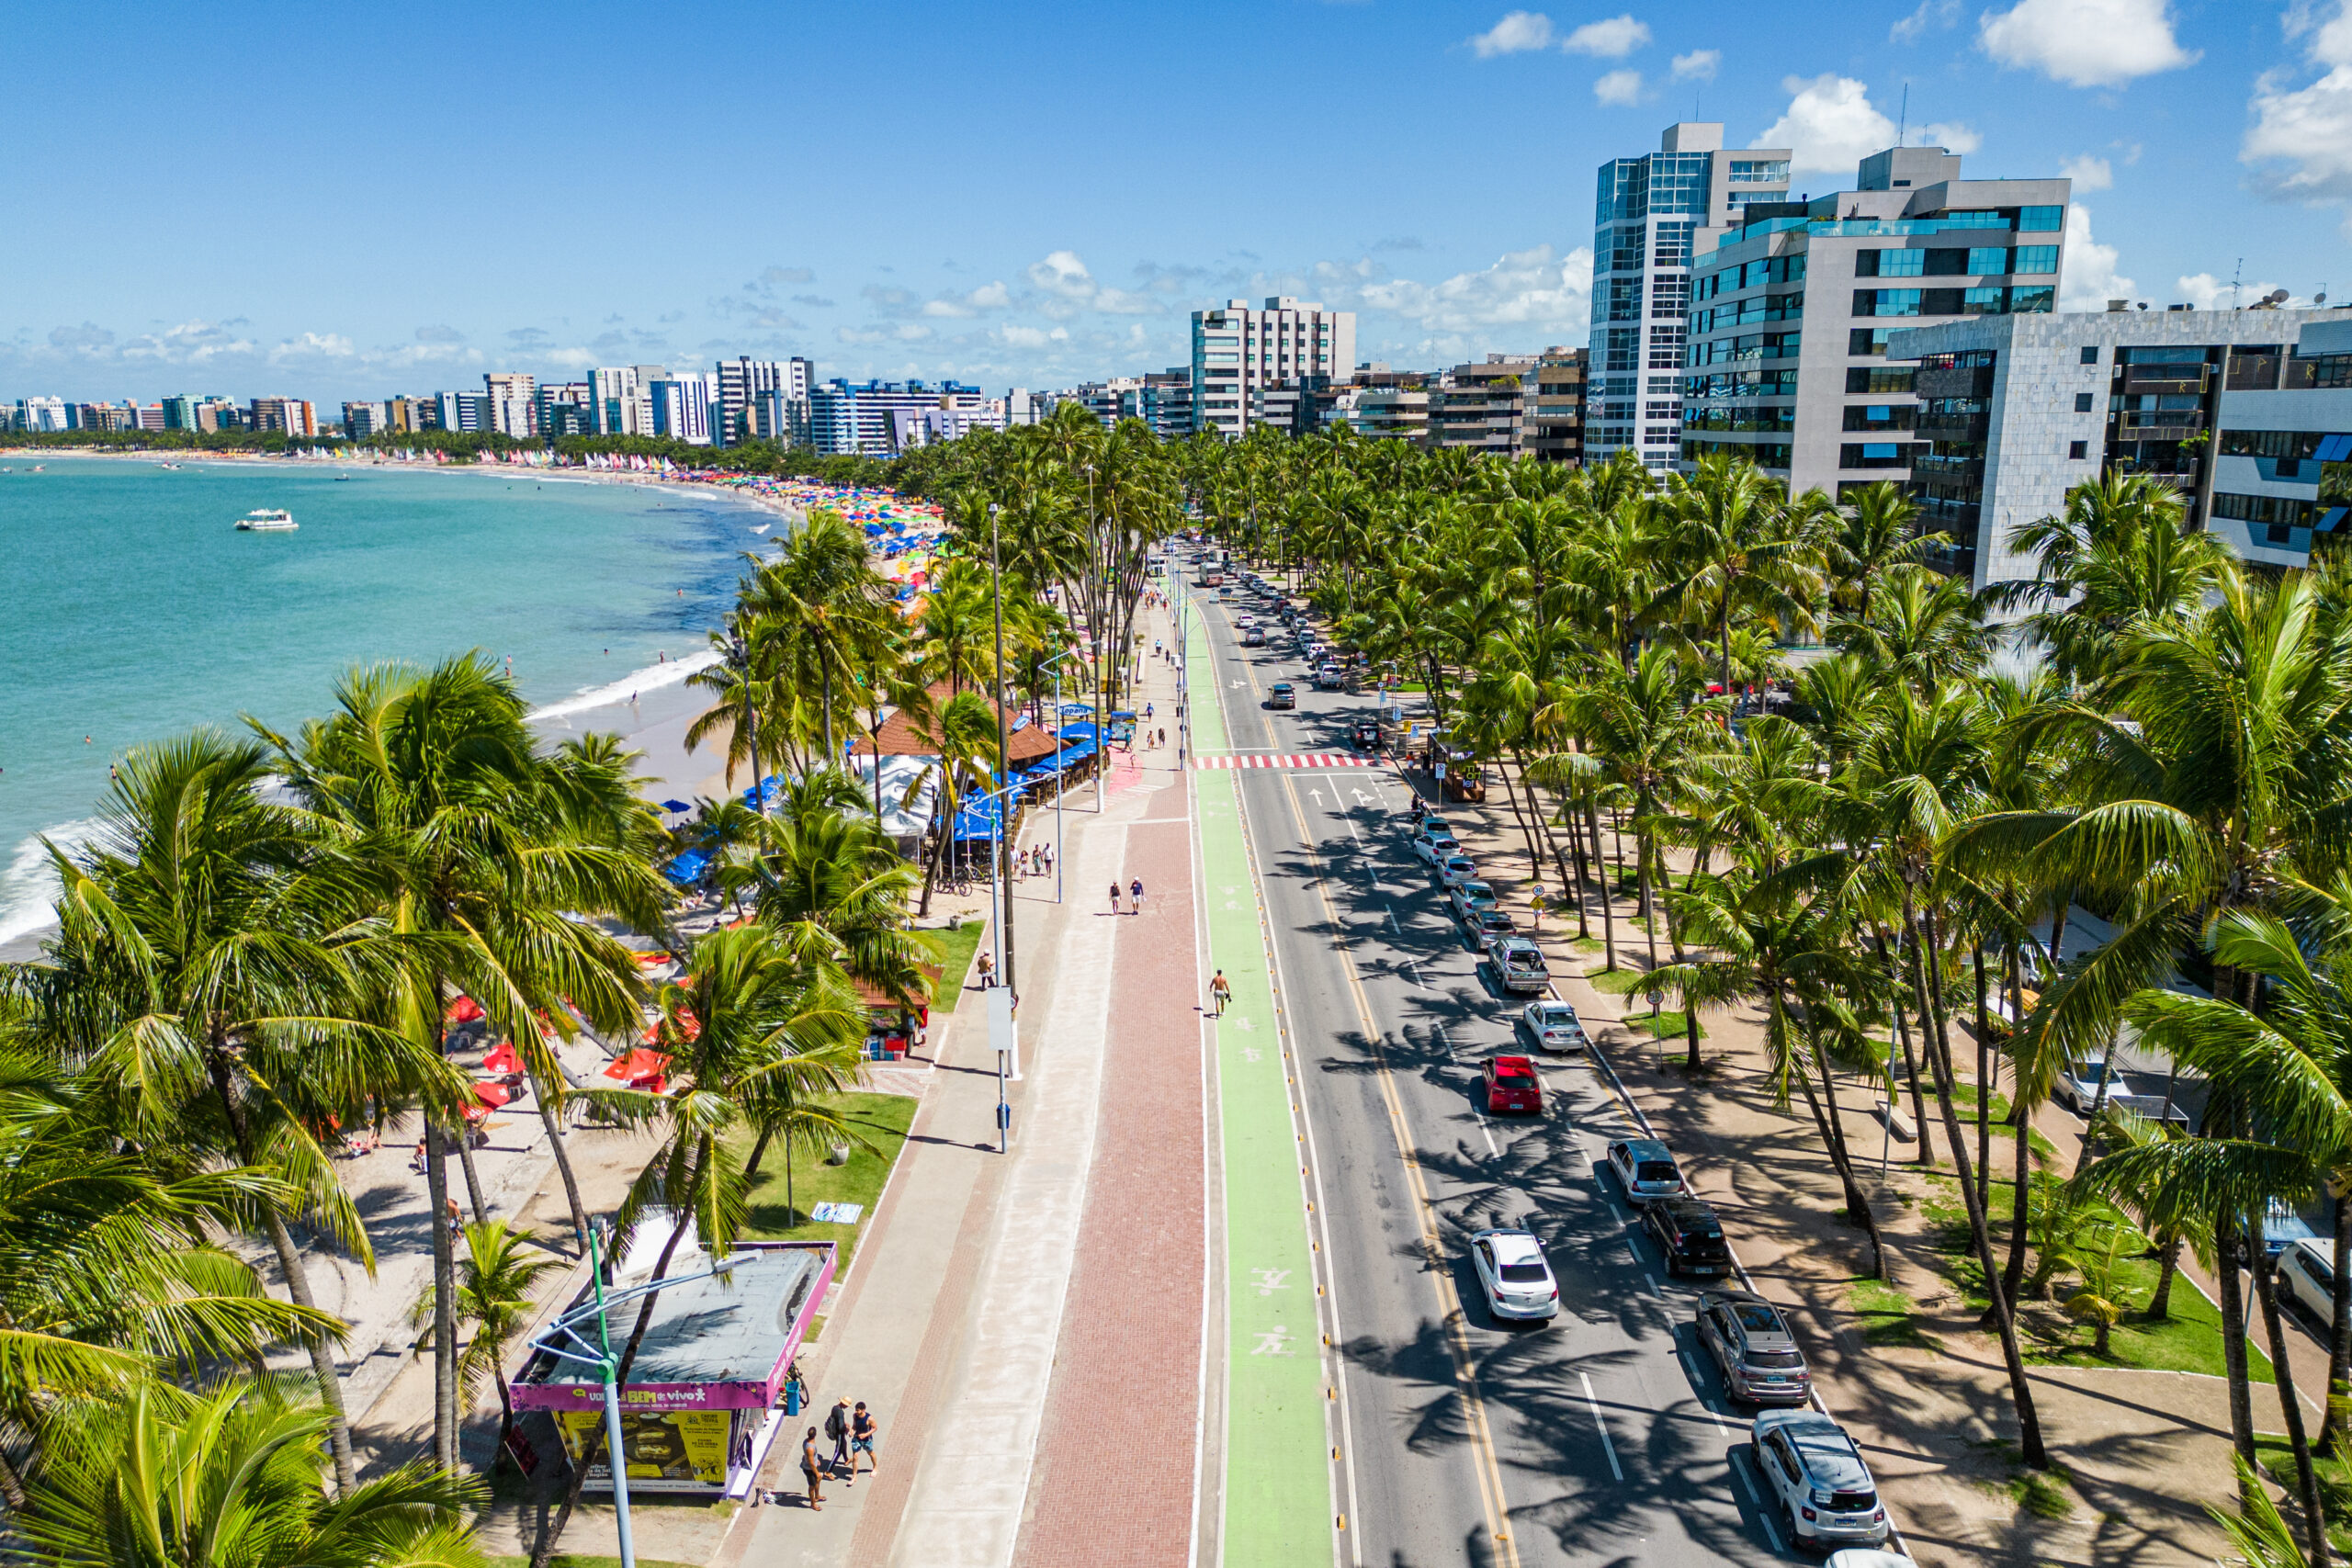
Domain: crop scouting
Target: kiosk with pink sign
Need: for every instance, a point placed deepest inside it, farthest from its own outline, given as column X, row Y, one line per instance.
column 705, row 1396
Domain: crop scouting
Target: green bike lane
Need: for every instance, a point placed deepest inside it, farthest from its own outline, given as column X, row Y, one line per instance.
column 1278, row 1472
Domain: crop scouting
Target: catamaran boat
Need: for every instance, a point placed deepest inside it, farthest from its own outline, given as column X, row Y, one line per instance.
column 267, row 520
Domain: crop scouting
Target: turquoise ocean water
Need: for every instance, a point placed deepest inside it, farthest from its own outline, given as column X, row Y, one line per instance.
column 135, row 610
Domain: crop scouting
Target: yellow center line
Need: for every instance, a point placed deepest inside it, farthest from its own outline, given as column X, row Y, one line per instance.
column 1486, row 1465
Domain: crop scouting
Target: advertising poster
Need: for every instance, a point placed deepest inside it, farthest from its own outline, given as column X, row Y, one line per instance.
column 667, row 1451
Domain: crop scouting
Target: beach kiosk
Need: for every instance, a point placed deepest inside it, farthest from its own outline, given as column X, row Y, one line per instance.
column 705, row 1396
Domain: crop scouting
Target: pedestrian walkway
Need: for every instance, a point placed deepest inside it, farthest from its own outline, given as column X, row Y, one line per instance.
column 1317, row 760
column 1275, row 1479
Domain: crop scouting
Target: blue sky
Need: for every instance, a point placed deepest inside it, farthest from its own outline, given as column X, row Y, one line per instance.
column 354, row 202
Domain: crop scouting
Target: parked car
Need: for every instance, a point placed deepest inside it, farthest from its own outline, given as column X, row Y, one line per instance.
column 1514, row 1274
column 1434, row 845
column 1489, row 927
column 1553, row 1026
column 1753, row 1347
column 1817, row 1475
column 1868, row 1557
column 2307, row 1271
column 1470, row 898
column 1646, row 1169
column 1518, row 966
column 1282, row 695
column 1687, row 1231
column 2077, row 1085
column 1456, row 869
column 1430, row 823
column 1512, row 1087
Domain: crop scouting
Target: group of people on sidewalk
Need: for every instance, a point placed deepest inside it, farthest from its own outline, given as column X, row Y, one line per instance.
column 1133, row 893
column 853, row 1432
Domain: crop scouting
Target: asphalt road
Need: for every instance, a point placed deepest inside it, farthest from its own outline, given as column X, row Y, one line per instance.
column 1603, row 1437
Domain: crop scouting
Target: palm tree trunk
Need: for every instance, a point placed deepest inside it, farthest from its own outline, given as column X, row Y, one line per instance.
column 2333, row 1438
column 473, row 1178
column 506, row 1414
column 2232, row 1293
column 12, row 1484
column 444, row 1291
column 1983, row 1087
column 1920, row 938
column 563, row 1165
column 298, row 1289
column 1911, row 1069
column 1833, row 1138
column 2167, row 1270
column 2306, row 1481
column 1600, row 875
column 2013, row 1271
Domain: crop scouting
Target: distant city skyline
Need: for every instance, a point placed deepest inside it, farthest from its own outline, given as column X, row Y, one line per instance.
column 334, row 211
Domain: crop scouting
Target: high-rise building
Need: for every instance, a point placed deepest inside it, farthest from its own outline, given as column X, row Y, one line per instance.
column 460, row 412
column 361, row 421
column 1792, row 310
column 865, row 419
column 560, row 409
column 2241, row 412
column 179, row 414
column 613, row 398
column 1237, row 353
column 682, row 406
column 1653, row 214
column 285, row 416
column 1477, row 407
column 512, row 398
column 1552, row 415
column 744, row 382
column 37, row 414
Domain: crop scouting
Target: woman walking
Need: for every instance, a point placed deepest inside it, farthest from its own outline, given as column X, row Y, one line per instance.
column 811, row 1469
column 1115, row 898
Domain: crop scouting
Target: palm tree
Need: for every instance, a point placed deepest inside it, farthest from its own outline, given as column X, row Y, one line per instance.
column 205, row 972
column 965, row 734
column 1739, row 546
column 1876, row 534
column 230, row 1478
column 495, row 1299
column 481, row 850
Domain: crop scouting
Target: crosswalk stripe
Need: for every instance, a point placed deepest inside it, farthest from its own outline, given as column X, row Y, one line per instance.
column 1294, row 759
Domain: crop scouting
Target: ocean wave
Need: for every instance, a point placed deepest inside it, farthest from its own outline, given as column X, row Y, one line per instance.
column 29, row 888
column 670, row 672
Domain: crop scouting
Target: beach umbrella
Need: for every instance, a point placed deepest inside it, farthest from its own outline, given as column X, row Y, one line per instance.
column 675, row 806
column 465, row 1009
column 503, row 1060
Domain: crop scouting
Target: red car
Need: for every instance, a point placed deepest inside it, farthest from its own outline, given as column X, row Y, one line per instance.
column 1512, row 1086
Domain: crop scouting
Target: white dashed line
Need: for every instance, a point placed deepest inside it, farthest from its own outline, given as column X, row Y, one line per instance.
column 1602, row 1427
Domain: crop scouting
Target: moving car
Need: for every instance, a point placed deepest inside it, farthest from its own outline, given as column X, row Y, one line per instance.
column 1434, row 844
column 1254, row 638
column 1244, row 622
column 1753, row 1347
column 1555, row 1026
column 1512, row 1087
column 2307, row 1273
column 1456, row 869
column 1518, row 966
column 1646, row 1169
column 1327, row 678
column 1470, row 899
column 1282, row 695
column 1489, row 927
column 1817, row 1475
column 1687, row 1231
column 1364, row 734
column 1513, row 1271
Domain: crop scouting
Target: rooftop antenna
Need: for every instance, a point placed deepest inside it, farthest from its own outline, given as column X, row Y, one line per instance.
column 2236, row 273
column 1904, row 129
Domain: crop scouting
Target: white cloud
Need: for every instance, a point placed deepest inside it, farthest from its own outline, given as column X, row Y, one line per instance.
column 2085, row 43
column 1951, row 135
column 313, row 345
column 2089, row 172
column 1619, row 88
column 1533, row 288
column 1829, row 125
column 988, row 296
column 1932, row 13
column 2306, row 132
column 1032, row 337
column 2209, row 293
column 1614, row 39
column 1699, row 65
column 1515, row 34
column 2091, row 279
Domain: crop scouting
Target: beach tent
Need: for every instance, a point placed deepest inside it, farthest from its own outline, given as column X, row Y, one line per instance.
column 505, row 1059
column 978, row 819
column 675, row 806
column 687, row 868
column 1070, row 734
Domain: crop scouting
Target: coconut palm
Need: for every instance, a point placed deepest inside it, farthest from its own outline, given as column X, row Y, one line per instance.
column 481, row 850
column 494, row 1300
column 230, row 1477
column 1737, row 546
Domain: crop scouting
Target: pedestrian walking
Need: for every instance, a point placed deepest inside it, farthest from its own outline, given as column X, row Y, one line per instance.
column 1220, row 992
column 1135, row 888
column 1115, row 898
column 837, row 1428
column 810, row 1471
column 861, row 1441
column 988, row 972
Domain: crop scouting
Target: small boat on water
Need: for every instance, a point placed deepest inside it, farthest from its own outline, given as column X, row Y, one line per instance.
column 267, row 520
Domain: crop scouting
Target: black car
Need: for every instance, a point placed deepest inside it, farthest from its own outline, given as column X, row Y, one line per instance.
column 1687, row 1231
column 1365, row 735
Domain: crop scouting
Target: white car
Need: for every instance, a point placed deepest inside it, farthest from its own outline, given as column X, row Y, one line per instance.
column 2078, row 1084
column 1435, row 847
column 1456, row 869
column 1869, row 1557
column 1646, row 1169
column 1514, row 1274
column 1553, row 1026
column 1470, row 899
column 1430, row 824
column 1244, row 622
column 1818, row 1476
column 2307, row 1270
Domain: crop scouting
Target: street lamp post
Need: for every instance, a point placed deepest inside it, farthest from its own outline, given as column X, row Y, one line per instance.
column 563, row 1339
column 1003, row 770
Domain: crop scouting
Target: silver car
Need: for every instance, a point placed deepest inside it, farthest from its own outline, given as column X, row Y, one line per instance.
column 1454, row 870
column 1518, row 966
column 1489, row 927
column 1470, row 899
column 1553, row 1026
column 1434, row 846
column 1817, row 1475
column 1752, row 1344
column 1515, row 1275
column 1646, row 1169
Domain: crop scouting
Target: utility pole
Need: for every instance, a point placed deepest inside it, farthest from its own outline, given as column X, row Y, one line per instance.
column 1003, row 774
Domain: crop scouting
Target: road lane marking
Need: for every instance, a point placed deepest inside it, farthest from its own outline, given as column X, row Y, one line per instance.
column 1602, row 1427
column 1700, row 1388
column 1485, row 1462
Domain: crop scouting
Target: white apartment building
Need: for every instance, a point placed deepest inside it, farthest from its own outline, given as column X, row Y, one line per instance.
column 746, row 384
column 512, row 398
column 1239, row 353
column 1654, row 213
column 41, row 413
column 683, row 406
column 620, row 400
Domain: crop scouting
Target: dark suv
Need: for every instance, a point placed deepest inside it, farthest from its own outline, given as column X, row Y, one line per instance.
column 1687, row 1231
